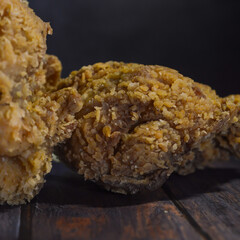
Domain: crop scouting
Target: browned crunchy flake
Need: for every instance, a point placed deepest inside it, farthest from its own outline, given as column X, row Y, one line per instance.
column 140, row 123
column 33, row 117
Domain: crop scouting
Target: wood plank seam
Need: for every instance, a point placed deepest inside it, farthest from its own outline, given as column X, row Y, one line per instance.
column 186, row 214
column 25, row 231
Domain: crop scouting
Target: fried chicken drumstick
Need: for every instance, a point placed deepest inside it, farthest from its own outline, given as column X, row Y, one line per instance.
column 33, row 118
column 141, row 123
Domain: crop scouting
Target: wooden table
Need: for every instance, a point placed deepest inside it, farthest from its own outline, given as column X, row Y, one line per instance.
column 203, row 205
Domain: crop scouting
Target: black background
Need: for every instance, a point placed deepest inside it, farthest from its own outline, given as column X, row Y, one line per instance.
column 200, row 38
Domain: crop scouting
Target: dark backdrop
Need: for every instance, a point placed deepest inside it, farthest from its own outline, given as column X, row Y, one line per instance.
column 200, row 38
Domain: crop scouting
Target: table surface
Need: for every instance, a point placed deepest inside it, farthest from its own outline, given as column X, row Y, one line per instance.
column 203, row 205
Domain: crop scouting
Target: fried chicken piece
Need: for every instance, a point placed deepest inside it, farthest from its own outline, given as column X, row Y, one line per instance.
column 141, row 123
column 33, row 117
column 22, row 54
column 22, row 177
column 229, row 138
column 218, row 147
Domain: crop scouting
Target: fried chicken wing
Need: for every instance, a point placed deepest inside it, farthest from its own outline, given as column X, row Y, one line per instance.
column 33, row 117
column 141, row 123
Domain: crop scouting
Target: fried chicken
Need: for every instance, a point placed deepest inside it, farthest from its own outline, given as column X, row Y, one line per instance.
column 133, row 125
column 219, row 147
column 230, row 136
column 141, row 123
column 33, row 117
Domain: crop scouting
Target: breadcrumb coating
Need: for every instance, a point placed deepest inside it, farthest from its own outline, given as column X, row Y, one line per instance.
column 140, row 123
column 22, row 54
column 229, row 138
column 33, row 117
column 133, row 125
column 22, row 177
column 218, row 147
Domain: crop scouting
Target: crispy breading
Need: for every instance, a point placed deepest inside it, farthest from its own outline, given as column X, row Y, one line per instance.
column 134, row 125
column 230, row 137
column 33, row 117
column 140, row 123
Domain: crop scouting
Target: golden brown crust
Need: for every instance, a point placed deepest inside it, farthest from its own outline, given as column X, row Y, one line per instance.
column 22, row 39
column 22, row 53
column 229, row 138
column 53, row 68
column 33, row 117
column 219, row 146
column 140, row 123
column 22, row 177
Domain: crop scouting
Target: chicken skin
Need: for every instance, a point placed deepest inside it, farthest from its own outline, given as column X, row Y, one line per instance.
column 33, row 117
column 139, row 124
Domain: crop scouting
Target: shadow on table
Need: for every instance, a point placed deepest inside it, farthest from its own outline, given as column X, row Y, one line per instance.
column 66, row 187
column 209, row 180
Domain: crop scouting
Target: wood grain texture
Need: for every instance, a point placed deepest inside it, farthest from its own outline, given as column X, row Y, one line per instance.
column 70, row 208
column 212, row 198
column 9, row 222
column 159, row 220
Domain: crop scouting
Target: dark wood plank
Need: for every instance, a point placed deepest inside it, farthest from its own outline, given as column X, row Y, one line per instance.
column 25, row 231
column 9, row 222
column 69, row 208
column 211, row 197
column 158, row 220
